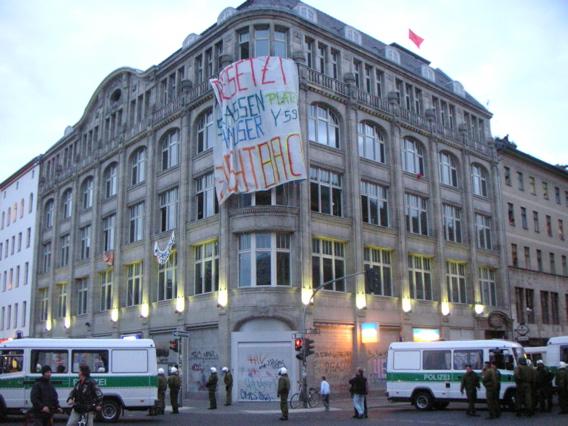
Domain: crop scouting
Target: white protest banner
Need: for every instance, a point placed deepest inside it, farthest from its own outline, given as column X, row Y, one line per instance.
column 259, row 144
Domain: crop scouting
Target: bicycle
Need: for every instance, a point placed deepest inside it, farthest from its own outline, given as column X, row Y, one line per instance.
column 298, row 399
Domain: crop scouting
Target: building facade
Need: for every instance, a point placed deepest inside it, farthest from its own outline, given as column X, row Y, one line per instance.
column 18, row 199
column 535, row 197
column 403, row 178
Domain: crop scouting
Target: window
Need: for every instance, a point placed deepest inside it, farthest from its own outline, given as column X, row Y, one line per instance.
column 524, row 301
column 262, row 41
column 244, row 45
column 136, row 228
column 87, row 192
column 58, row 360
column 463, row 357
column 374, row 204
column 325, row 191
column 452, row 223
column 138, row 166
column 487, row 286
column 448, row 169
column 111, row 180
column 62, row 300
column 521, row 181
column 556, row 195
column 96, row 360
column 371, row 142
column 561, row 229
column 507, row 176
column 206, row 199
column 524, row 222
column 168, row 210
column 206, row 267
column 264, row 259
column 536, row 222
column 532, row 185
column 539, row 260
column 309, row 45
column 205, row 132
column 13, row 246
column 483, row 231
column 436, row 360
column 552, row 260
column 416, row 210
column 419, row 278
column 67, row 204
column 455, row 278
column 545, row 307
column 334, row 63
column 527, row 257
column 545, row 190
column 48, row 217
column 479, row 180
column 549, row 225
column 64, row 243
column 28, row 237
column 328, row 263
column 280, row 43
column 24, row 313
column 108, row 232
column 11, row 361
column 323, row 126
column 19, row 242
column 82, row 294
column 511, row 214
column 169, row 149
column 85, row 242
column 554, row 308
column 412, row 157
column 43, row 304
column 105, row 279
column 379, row 260
column 31, row 203
column 277, row 196
column 46, row 257
column 514, row 256
column 564, row 267
column 167, row 280
column 9, row 318
column 134, row 284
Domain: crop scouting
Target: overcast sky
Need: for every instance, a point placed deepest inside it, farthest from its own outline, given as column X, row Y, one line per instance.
column 511, row 55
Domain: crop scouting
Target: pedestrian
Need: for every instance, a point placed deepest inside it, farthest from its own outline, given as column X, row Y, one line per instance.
column 228, row 380
column 543, row 386
column 489, row 379
column 86, row 399
column 498, row 391
column 523, row 377
column 212, row 388
column 358, row 390
column 283, row 391
column 44, row 399
column 324, row 392
column 162, row 388
column 174, row 383
column 470, row 383
column 562, row 385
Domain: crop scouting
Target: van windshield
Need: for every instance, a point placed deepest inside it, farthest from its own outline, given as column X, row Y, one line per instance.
column 11, row 361
column 519, row 353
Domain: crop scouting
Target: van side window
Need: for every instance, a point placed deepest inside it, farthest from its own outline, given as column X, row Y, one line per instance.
column 97, row 360
column 58, row 360
column 406, row 360
column 503, row 361
column 11, row 361
column 473, row 357
column 564, row 353
column 436, row 360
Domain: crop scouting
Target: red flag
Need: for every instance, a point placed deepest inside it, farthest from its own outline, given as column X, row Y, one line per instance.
column 416, row 39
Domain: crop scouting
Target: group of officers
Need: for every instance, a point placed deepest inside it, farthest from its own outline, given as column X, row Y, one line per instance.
column 533, row 388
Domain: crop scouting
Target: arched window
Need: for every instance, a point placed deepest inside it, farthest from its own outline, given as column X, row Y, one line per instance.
column 111, row 180
column 371, row 142
column 138, row 166
column 87, row 192
column 205, row 132
column 323, row 126
column 169, row 150
column 48, row 215
column 413, row 157
column 448, row 169
column 67, row 203
column 479, row 180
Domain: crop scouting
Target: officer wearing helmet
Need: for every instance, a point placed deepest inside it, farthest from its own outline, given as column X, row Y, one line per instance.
column 162, row 388
column 175, row 384
column 228, row 380
column 212, row 387
column 562, row 385
column 283, row 391
column 523, row 380
column 543, row 386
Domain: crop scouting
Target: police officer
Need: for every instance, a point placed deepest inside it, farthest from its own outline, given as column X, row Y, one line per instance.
column 534, row 398
column 228, row 380
column 283, row 391
column 212, row 387
column 523, row 378
column 162, row 388
column 562, row 384
column 498, row 391
column 470, row 382
column 174, row 384
column 543, row 386
column 489, row 379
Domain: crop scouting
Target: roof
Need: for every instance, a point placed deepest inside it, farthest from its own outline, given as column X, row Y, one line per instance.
column 455, row 344
column 77, row 343
column 20, row 172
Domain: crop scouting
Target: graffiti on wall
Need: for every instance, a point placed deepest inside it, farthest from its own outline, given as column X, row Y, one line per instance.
column 336, row 366
column 199, row 363
column 377, row 367
column 258, row 373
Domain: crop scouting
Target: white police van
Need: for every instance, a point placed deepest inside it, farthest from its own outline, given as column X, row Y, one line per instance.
column 429, row 374
column 556, row 351
column 125, row 370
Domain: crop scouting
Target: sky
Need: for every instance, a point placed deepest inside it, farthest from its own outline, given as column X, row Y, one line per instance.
column 511, row 55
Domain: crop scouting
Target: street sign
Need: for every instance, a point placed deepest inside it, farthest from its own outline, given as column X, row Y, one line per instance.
column 178, row 333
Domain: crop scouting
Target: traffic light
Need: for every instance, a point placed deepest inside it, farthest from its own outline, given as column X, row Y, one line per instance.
column 308, row 347
column 372, row 280
column 174, row 345
column 298, row 344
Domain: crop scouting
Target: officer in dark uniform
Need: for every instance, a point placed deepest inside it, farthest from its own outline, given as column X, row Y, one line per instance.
column 162, row 388
column 543, row 386
column 498, row 392
column 174, row 384
column 470, row 382
column 489, row 379
column 283, row 391
column 228, row 380
column 562, row 384
column 212, row 387
column 523, row 378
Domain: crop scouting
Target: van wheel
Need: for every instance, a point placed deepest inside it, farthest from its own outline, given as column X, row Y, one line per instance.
column 441, row 405
column 423, row 401
column 110, row 411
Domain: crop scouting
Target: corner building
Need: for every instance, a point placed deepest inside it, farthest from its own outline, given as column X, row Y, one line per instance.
column 402, row 179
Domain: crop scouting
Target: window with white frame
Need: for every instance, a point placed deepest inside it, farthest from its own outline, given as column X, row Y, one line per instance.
column 205, row 131
column 82, row 295
column 108, row 232
column 206, row 198
column 323, row 126
column 138, row 166
column 28, row 237
column 455, row 280
column 416, row 211
column 277, row 196
column 325, row 191
column 167, row 279
column 264, row 259
column 483, row 231
column 412, row 157
column 487, row 286
column 206, row 267
column 27, row 273
column 379, row 260
column 62, row 300
column 136, row 222
column 478, row 180
column 46, row 257
column 328, row 263
column 371, row 142
column 448, row 169
column 134, row 284
column 43, row 304
column 420, row 278
column 110, row 177
column 374, row 204
column 87, row 193
column 452, row 223
column 168, row 209
column 48, row 216
column 105, row 279
column 64, row 244
column 85, row 242
column 169, row 150
column 67, row 204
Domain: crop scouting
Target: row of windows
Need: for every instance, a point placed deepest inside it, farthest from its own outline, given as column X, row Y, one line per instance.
column 532, row 186
column 549, row 306
column 12, row 246
column 14, row 276
column 11, row 214
column 12, row 318
column 536, row 222
column 539, row 261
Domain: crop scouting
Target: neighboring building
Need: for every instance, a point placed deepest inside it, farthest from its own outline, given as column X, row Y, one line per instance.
column 18, row 199
column 535, row 201
column 402, row 178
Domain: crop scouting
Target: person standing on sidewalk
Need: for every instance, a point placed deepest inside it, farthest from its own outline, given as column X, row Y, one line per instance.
column 162, row 388
column 44, row 398
column 562, row 384
column 283, row 391
column 470, row 383
column 523, row 378
column 174, row 383
column 324, row 392
column 86, row 398
column 228, row 380
column 212, row 387
column 358, row 388
column 489, row 379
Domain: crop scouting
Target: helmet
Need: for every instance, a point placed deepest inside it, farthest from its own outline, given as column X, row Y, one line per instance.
column 161, row 371
column 561, row 364
column 213, row 370
column 540, row 362
column 529, row 362
column 173, row 370
column 224, row 369
column 282, row 371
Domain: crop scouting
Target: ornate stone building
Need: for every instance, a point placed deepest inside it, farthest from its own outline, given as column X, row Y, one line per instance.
column 402, row 178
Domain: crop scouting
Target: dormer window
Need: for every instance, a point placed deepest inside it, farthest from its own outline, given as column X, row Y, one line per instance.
column 458, row 89
column 226, row 14
column 428, row 73
column 353, row 35
column 392, row 54
column 307, row 13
